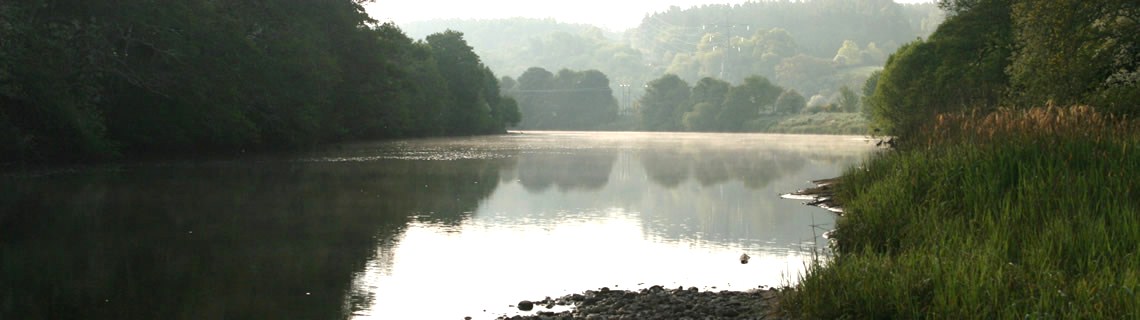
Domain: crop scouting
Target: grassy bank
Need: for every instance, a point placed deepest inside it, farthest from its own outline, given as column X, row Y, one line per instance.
column 1017, row 214
column 799, row 123
column 810, row 123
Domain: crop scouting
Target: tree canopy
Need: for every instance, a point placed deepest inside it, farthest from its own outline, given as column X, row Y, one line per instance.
column 84, row 80
column 713, row 105
column 814, row 47
column 1013, row 53
column 569, row 100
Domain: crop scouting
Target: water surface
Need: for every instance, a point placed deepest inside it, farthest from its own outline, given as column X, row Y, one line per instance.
column 427, row 228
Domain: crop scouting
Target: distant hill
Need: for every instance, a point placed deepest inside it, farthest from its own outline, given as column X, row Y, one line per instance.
column 508, row 46
column 813, row 46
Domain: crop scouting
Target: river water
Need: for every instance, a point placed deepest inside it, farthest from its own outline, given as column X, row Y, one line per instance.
column 413, row 229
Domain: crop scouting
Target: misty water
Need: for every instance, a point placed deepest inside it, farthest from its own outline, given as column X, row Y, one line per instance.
column 413, row 229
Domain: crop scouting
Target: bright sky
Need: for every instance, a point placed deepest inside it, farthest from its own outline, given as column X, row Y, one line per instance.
column 616, row 15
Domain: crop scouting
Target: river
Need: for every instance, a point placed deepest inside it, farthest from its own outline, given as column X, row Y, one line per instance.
column 413, row 229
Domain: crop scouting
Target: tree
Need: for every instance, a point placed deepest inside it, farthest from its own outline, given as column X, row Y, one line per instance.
column 89, row 80
column 746, row 101
column 1070, row 51
column 702, row 118
column 707, row 99
column 790, row 102
column 570, row 100
column 535, row 102
column 961, row 66
column 664, row 104
column 848, row 100
column 507, row 84
column 466, row 77
column 849, row 54
column 869, row 90
column 805, row 73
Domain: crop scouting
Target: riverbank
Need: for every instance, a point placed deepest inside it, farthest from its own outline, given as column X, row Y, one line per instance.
column 821, row 195
column 810, row 123
column 657, row 302
column 832, row 123
column 1018, row 214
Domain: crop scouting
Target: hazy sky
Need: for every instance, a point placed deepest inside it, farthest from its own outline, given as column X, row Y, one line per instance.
column 613, row 14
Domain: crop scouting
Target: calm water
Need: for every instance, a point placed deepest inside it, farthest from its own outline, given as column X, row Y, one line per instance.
column 414, row 229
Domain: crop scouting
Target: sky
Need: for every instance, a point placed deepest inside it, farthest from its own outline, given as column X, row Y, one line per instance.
column 616, row 15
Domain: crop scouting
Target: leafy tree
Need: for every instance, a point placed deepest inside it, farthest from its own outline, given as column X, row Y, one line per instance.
column 570, row 100
column 848, row 100
column 849, row 54
column 869, row 86
column 664, row 104
column 464, row 73
column 89, row 80
column 49, row 88
column 710, row 90
column 707, row 99
column 1070, row 51
column 790, row 102
column 509, row 112
column 534, row 100
column 506, row 84
column 746, row 101
column 504, row 110
column 961, row 66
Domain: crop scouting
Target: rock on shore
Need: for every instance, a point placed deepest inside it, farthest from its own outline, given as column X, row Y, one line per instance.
column 657, row 302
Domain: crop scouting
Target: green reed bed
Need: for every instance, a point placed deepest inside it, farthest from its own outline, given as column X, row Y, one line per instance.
column 1016, row 214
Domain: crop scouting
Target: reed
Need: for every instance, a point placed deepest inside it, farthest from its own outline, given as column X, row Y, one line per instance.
column 1047, row 124
column 1013, row 214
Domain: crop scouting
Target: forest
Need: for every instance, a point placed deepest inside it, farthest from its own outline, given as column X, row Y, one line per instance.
column 568, row 100
column 89, row 80
column 823, row 50
column 82, row 81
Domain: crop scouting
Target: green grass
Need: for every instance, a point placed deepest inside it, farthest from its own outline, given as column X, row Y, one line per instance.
column 810, row 123
column 802, row 123
column 1023, row 215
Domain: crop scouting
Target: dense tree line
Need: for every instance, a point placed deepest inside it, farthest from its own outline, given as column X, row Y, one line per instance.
column 820, row 26
column 814, row 47
column 568, row 100
column 1013, row 53
column 513, row 46
column 811, row 46
column 83, row 80
column 671, row 104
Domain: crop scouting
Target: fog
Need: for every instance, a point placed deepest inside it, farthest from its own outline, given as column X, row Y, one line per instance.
column 612, row 15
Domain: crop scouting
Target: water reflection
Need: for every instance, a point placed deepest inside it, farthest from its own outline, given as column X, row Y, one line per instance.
column 568, row 171
column 436, row 227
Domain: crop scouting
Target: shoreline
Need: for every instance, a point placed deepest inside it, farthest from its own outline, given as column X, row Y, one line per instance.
column 822, row 195
column 657, row 302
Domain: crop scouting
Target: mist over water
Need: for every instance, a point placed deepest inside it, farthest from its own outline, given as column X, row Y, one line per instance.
column 428, row 228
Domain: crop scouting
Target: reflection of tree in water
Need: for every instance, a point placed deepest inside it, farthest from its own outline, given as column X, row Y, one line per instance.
column 232, row 240
column 666, row 167
column 731, row 196
column 585, row 169
column 713, row 166
column 446, row 192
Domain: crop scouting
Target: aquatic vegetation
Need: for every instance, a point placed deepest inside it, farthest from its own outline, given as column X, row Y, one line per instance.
column 1013, row 214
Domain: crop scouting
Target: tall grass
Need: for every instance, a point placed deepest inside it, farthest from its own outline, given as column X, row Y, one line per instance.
column 1015, row 214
